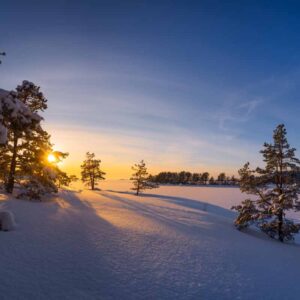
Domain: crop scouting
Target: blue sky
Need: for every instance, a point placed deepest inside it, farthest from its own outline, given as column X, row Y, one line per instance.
column 196, row 85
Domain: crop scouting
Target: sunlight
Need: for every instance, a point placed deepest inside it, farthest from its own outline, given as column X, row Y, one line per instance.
column 51, row 158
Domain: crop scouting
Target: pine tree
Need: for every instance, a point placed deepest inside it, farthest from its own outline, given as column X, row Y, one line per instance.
column 196, row 178
column 233, row 180
column 61, row 178
column 37, row 175
column 205, row 177
column 211, row 180
column 276, row 189
column 24, row 156
column 19, row 133
column 91, row 172
column 221, row 178
column 140, row 178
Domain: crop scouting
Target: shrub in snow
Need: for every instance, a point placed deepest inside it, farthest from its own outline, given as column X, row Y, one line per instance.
column 35, row 189
column 276, row 188
column 7, row 221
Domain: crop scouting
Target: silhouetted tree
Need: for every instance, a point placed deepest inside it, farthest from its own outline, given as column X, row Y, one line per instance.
column 275, row 187
column 37, row 176
column 211, row 181
column 91, row 172
column 184, row 177
column 221, row 178
column 140, row 178
column 196, row 178
column 204, row 177
column 233, row 180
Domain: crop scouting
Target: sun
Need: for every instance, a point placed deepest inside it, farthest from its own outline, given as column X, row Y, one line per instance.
column 51, row 158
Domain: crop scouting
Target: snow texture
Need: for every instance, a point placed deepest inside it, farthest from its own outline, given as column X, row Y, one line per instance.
column 174, row 243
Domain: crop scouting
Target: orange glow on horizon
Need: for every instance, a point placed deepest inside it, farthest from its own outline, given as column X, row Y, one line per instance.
column 117, row 158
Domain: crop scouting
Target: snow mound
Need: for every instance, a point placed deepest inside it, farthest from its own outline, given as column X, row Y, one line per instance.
column 7, row 220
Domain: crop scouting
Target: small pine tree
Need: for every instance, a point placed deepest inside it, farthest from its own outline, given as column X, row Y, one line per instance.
column 140, row 178
column 91, row 172
column 276, row 188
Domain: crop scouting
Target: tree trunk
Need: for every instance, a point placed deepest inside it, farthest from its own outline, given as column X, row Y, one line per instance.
column 138, row 189
column 11, row 176
column 280, row 223
column 93, row 184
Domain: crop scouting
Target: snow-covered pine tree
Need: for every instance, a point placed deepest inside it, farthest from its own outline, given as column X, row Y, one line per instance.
column 91, row 172
column 4, row 166
column 24, row 156
column 37, row 175
column 140, row 178
column 62, row 178
column 13, row 110
column 29, row 95
column 276, row 188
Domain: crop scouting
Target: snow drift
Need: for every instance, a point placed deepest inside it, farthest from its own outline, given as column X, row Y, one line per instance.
column 7, row 220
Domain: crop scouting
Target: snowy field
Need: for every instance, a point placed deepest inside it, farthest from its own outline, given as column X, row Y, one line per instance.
column 170, row 243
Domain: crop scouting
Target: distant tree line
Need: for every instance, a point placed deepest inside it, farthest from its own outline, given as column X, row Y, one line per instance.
column 185, row 177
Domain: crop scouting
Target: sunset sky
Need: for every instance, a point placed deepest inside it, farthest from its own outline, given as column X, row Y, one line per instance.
column 198, row 87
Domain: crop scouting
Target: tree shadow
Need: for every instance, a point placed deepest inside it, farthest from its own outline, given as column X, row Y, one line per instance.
column 65, row 246
column 187, row 203
column 190, row 221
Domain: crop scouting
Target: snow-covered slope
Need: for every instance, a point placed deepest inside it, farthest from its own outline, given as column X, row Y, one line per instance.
column 114, row 245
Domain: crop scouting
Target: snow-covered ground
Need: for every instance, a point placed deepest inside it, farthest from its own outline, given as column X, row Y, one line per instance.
column 170, row 243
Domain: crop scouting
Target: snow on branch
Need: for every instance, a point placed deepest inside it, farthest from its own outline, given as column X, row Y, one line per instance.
column 14, row 111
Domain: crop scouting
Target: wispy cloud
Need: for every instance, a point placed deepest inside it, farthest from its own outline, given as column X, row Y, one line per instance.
column 235, row 112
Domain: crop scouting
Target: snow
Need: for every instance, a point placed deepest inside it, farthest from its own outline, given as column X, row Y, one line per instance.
column 15, row 110
column 7, row 220
column 172, row 243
